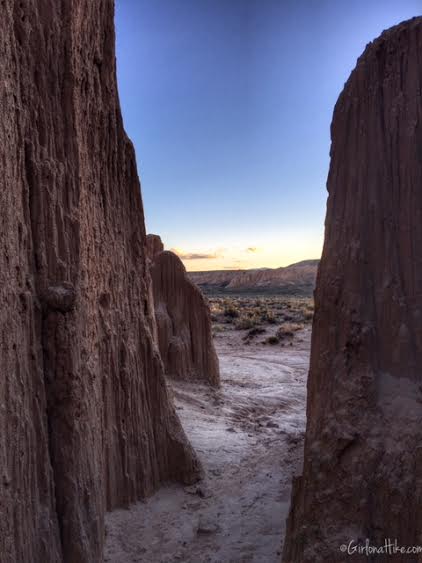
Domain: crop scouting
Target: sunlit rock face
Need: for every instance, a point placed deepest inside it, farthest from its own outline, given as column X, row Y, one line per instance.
column 85, row 420
column 362, row 474
column 183, row 319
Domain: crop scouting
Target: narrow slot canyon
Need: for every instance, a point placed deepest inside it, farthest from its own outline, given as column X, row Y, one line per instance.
column 153, row 412
column 248, row 435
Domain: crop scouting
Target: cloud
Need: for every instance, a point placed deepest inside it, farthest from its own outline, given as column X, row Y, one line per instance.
column 194, row 255
column 252, row 249
column 197, row 256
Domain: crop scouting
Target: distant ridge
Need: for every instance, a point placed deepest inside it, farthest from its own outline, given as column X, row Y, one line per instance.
column 297, row 278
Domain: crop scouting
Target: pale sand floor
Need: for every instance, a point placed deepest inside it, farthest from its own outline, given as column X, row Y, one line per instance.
column 249, row 437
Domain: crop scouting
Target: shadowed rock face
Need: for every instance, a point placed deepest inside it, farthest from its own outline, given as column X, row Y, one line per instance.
column 183, row 319
column 85, row 420
column 362, row 475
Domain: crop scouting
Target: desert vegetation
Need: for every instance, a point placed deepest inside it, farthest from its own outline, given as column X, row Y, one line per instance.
column 268, row 319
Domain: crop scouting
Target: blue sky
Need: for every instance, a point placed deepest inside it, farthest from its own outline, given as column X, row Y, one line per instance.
column 229, row 104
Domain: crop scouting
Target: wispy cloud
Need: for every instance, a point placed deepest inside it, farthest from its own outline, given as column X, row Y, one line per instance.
column 194, row 255
column 252, row 249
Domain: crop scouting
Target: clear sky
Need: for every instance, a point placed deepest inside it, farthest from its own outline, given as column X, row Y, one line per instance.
column 229, row 103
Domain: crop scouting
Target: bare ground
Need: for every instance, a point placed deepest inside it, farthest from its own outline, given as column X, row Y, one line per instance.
column 249, row 437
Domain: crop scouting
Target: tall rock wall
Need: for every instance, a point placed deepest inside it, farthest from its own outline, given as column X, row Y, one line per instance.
column 85, row 420
column 362, row 474
column 184, row 330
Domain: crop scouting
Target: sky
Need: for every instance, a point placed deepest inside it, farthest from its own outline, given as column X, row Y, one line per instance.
column 229, row 104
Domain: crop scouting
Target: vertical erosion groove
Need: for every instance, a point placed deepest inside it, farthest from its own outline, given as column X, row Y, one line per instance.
column 86, row 422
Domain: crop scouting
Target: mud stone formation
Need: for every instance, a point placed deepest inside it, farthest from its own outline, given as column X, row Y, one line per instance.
column 362, row 474
column 85, row 419
column 183, row 319
column 154, row 246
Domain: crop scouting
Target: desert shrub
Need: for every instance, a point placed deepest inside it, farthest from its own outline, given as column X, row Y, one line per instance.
column 288, row 330
column 255, row 331
column 262, row 312
column 273, row 340
column 271, row 319
column 268, row 316
column 216, row 307
column 308, row 316
column 244, row 323
column 231, row 312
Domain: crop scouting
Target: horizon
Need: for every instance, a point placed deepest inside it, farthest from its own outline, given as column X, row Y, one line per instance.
column 228, row 269
column 236, row 98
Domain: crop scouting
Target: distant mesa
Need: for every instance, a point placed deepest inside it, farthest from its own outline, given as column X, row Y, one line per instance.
column 182, row 317
column 297, row 278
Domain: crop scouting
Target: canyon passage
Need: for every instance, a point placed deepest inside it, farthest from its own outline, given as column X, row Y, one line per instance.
column 128, row 437
column 248, row 436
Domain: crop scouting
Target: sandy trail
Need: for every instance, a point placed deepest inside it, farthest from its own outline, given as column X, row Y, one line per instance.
column 249, row 437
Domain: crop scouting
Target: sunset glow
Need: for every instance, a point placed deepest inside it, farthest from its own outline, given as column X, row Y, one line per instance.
column 269, row 255
column 229, row 105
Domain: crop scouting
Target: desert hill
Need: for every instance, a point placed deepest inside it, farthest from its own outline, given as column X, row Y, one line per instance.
column 296, row 278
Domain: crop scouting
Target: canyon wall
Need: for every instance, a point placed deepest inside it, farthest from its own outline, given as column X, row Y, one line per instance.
column 361, row 476
column 85, row 419
column 184, row 329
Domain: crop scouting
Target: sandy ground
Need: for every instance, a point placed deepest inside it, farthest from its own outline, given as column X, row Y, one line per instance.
column 249, row 437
